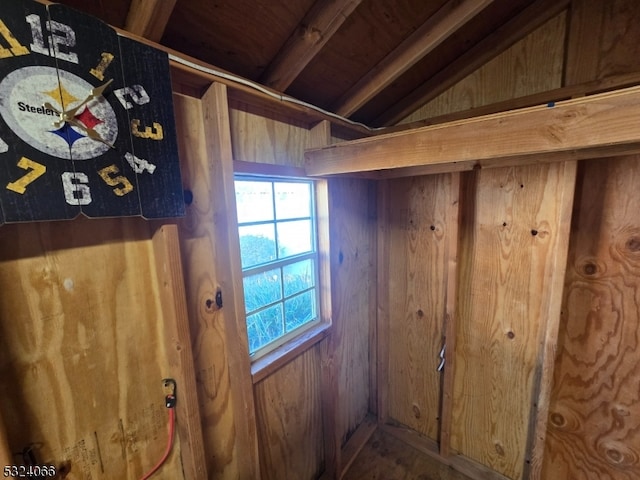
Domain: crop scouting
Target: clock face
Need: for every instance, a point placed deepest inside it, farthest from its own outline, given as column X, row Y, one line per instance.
column 23, row 94
column 86, row 119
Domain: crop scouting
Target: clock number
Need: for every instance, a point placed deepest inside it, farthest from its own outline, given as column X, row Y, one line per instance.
column 106, row 60
column 61, row 36
column 110, row 176
column 139, row 165
column 76, row 190
column 36, row 171
column 153, row 133
column 136, row 93
column 15, row 48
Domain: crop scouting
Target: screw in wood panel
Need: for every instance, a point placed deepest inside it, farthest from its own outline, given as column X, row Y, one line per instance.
column 534, row 232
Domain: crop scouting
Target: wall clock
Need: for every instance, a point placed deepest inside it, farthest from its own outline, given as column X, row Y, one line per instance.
column 86, row 119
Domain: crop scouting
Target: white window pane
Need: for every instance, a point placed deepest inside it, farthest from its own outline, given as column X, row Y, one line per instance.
column 300, row 309
column 254, row 201
column 293, row 200
column 294, row 238
column 257, row 244
column 262, row 289
column 298, row 276
column 265, row 327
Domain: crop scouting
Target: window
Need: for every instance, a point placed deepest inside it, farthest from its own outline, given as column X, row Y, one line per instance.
column 278, row 248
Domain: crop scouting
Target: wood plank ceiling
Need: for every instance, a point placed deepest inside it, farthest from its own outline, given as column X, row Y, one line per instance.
column 371, row 61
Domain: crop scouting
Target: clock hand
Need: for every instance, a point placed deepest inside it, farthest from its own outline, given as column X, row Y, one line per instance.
column 95, row 92
column 65, row 115
column 91, row 133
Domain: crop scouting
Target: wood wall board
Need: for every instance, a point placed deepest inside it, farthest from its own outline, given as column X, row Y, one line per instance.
column 256, row 138
column 382, row 333
column 418, row 236
column 175, row 326
column 603, row 40
column 551, row 306
column 560, row 132
column 227, row 423
column 533, row 65
column 353, row 253
column 593, row 428
column 450, row 314
column 509, row 235
column 289, row 416
column 6, row 457
column 83, row 350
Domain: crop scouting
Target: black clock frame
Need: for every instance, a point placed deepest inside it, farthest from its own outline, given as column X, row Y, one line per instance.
column 136, row 174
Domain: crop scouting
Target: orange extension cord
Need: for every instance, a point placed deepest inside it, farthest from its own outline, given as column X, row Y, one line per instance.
column 170, row 402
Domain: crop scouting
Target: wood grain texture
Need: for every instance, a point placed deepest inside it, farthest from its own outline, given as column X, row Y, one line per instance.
column 386, row 457
column 603, row 40
column 546, row 133
column 418, row 236
column 444, row 23
column 175, row 325
column 6, row 457
column 532, row 65
column 289, row 416
column 149, row 19
column 83, row 351
column 260, row 139
column 212, row 343
column 353, row 253
column 593, row 429
column 509, row 237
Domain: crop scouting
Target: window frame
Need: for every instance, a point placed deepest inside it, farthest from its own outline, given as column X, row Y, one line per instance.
column 277, row 353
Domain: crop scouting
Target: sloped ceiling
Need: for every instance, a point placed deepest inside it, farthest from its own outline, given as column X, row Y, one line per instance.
column 372, row 61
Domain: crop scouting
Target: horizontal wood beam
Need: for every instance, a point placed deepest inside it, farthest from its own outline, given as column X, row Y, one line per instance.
column 149, row 18
column 493, row 45
column 314, row 31
column 595, row 126
column 445, row 22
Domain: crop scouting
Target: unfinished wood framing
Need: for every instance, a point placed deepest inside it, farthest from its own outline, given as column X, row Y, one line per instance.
column 446, row 21
column 149, row 19
column 591, row 127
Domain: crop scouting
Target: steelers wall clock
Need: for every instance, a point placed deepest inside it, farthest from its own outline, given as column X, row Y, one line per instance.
column 86, row 119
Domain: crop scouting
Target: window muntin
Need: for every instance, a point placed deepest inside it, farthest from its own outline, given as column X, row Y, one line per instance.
column 277, row 230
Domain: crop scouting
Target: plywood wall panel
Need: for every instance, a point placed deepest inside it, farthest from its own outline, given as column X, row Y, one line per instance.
column 603, row 40
column 82, row 352
column 594, row 420
column 353, row 253
column 535, row 64
column 417, row 236
column 509, row 241
column 258, row 138
column 289, row 416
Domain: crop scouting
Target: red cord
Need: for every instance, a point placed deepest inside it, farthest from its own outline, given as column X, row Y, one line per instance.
column 172, row 419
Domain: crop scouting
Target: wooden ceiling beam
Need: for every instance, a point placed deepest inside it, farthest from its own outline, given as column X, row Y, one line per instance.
column 149, row 18
column 446, row 21
column 597, row 126
column 532, row 17
column 314, row 31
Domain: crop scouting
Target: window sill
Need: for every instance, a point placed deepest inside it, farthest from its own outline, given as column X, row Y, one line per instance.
column 278, row 358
